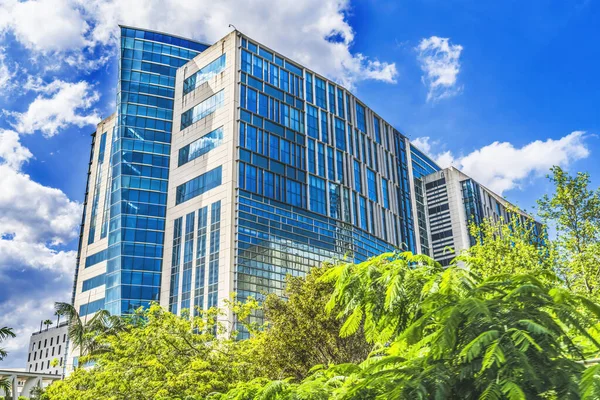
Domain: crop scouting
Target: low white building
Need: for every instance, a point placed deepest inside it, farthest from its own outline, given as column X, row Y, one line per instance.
column 47, row 350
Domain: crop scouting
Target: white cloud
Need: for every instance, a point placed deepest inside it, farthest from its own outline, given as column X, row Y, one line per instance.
column 24, row 314
column 501, row 166
column 12, row 151
column 440, row 64
column 313, row 32
column 44, row 25
column 6, row 74
column 58, row 105
column 35, row 213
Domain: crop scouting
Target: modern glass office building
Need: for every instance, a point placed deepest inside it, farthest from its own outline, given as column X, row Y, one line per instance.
column 228, row 167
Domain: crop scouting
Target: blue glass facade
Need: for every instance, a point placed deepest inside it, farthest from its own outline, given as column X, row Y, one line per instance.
column 140, row 165
column 320, row 176
column 421, row 166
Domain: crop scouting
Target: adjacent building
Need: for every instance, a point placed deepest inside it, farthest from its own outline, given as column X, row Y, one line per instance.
column 454, row 201
column 47, row 350
column 227, row 167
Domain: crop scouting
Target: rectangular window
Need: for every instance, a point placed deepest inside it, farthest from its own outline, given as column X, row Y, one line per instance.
column 377, row 127
column 317, row 195
column 309, row 88
column 360, row 117
column 335, row 207
column 201, row 146
column 215, row 245
column 198, row 185
column 324, row 130
column 202, row 110
column 92, row 283
column 340, row 103
column 372, row 185
column 246, row 61
column 363, row 213
column 340, row 166
column 331, row 98
column 384, row 190
column 340, row 134
column 208, row 72
column 312, row 116
column 357, row 177
column 321, row 159
column 330, row 165
column 201, row 239
column 312, row 168
column 91, row 307
column 320, row 93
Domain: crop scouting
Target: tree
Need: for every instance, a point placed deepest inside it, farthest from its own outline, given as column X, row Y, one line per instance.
column 300, row 334
column 165, row 357
column 47, row 323
column 574, row 211
column 83, row 334
column 5, row 333
column 506, row 336
column 516, row 246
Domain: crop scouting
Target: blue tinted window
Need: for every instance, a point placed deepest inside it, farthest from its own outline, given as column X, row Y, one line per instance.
column 202, row 110
column 205, row 74
column 372, row 185
column 377, row 130
column 94, row 282
column 317, row 195
column 320, row 93
column 357, row 177
column 340, row 134
column 360, row 117
column 309, row 88
column 198, row 185
column 200, row 146
column 312, row 117
column 91, row 307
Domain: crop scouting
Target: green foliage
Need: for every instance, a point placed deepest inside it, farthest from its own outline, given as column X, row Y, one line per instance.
column 574, row 211
column 5, row 333
column 300, row 334
column 509, row 247
column 503, row 336
column 164, row 357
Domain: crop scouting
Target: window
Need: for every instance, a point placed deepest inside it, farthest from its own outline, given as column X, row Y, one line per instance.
column 384, row 191
column 340, row 166
column 211, row 70
column 246, row 61
column 89, row 284
column 330, row 165
column 91, row 307
column 321, row 159
column 357, row 177
column 371, row 185
column 334, row 201
column 201, row 146
column 331, row 98
column 320, row 93
column 202, row 110
column 309, row 88
column 340, row 134
column 313, row 121
column 198, row 185
column 340, row 103
column 360, row 117
column 363, row 213
column 324, row 130
column 377, row 130
column 312, row 168
column 317, row 195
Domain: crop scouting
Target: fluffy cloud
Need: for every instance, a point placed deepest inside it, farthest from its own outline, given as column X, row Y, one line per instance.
column 313, row 32
column 44, row 25
column 11, row 151
column 35, row 213
column 501, row 166
column 440, row 65
column 57, row 105
column 24, row 313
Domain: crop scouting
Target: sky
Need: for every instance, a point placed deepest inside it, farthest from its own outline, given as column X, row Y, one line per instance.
column 502, row 90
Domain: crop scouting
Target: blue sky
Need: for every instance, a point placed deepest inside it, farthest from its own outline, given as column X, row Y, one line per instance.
column 502, row 90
